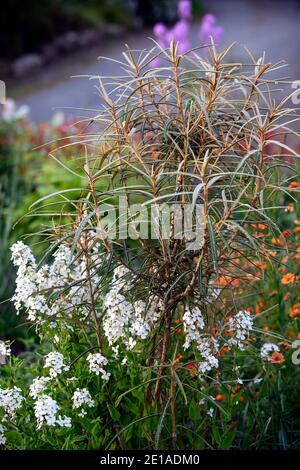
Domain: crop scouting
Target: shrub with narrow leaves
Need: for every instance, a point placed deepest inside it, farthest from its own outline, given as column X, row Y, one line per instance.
column 133, row 329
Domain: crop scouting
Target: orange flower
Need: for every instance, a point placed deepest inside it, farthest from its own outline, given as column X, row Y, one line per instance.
column 220, row 397
column 259, row 234
column 286, row 233
column 288, row 278
column 297, row 221
column 296, row 229
column 224, row 349
column 236, row 389
column 277, row 357
column 295, row 310
column 292, row 334
column 260, row 265
column 294, row 184
column 286, row 345
column 289, row 208
column 192, row 368
column 178, row 358
column 221, row 281
column 259, row 306
column 277, row 242
column 155, row 154
column 179, row 331
column 272, row 252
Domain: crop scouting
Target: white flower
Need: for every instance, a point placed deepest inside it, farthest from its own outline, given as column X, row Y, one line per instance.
column 130, row 343
column 72, row 379
column 192, row 324
column 34, row 287
column 96, row 361
column 118, row 314
column 58, row 119
column 115, row 350
column 45, row 410
column 2, row 436
column 64, row 422
column 125, row 319
column 210, row 412
column 257, row 380
column 139, row 326
column 208, row 347
column 38, row 386
column 10, row 111
column 80, row 398
column 5, row 348
column 10, row 400
column 21, row 254
column 55, row 361
column 267, row 349
column 241, row 325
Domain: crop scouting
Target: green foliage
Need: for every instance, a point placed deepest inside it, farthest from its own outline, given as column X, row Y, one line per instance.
column 27, row 173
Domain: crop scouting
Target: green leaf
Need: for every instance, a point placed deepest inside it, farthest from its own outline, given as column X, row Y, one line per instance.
column 194, row 413
column 114, row 413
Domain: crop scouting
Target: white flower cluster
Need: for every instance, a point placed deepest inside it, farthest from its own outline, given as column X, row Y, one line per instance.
column 34, row 286
column 240, row 325
column 10, row 400
column 124, row 319
column 55, row 362
column 5, row 348
column 193, row 325
column 80, row 398
column 46, row 409
column 2, row 436
column 96, row 362
column 267, row 349
column 208, row 347
column 38, row 386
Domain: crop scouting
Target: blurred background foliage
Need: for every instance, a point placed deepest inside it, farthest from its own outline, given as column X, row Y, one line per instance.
column 27, row 28
column 27, row 173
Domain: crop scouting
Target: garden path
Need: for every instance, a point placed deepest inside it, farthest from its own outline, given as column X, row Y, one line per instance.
column 261, row 25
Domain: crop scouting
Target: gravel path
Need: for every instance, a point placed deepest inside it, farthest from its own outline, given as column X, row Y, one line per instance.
column 269, row 26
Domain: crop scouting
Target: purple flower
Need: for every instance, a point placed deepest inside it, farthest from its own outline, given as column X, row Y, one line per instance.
column 169, row 36
column 160, row 30
column 184, row 46
column 209, row 29
column 209, row 19
column 185, row 9
column 217, row 34
column 181, row 30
